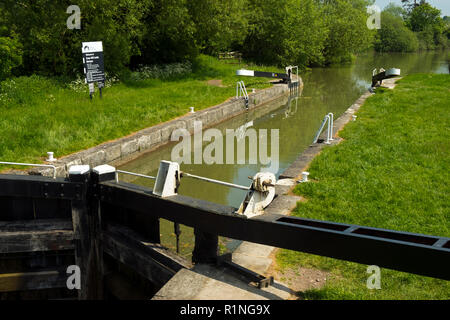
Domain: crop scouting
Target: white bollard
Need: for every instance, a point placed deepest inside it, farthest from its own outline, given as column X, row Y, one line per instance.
column 191, row 110
column 305, row 175
column 354, row 117
column 50, row 157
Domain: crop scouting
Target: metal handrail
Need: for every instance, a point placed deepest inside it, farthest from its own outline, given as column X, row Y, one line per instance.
column 240, row 88
column 32, row 165
column 293, row 67
column 183, row 174
column 132, row 174
column 329, row 118
column 330, row 127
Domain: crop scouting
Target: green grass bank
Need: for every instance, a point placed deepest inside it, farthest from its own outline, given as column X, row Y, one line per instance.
column 41, row 114
column 391, row 171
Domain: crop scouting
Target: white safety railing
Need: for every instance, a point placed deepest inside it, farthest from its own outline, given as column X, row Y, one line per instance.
column 223, row 183
column 259, row 194
column 329, row 118
column 292, row 72
column 32, row 165
column 133, row 174
column 241, row 91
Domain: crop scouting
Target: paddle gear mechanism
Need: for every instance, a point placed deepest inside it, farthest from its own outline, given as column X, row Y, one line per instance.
column 260, row 195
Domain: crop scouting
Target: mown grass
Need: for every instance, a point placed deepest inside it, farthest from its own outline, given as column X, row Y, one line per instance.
column 42, row 114
column 390, row 172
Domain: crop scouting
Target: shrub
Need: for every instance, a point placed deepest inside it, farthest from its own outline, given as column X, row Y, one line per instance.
column 25, row 90
column 79, row 84
column 166, row 71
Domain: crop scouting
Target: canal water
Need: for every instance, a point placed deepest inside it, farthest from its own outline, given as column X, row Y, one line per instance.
column 296, row 118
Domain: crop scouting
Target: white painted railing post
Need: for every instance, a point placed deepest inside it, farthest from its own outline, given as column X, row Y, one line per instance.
column 328, row 119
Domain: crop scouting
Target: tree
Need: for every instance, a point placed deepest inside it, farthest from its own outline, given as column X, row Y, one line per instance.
column 396, row 11
column 411, row 4
column 49, row 47
column 168, row 33
column 10, row 56
column 347, row 31
column 394, row 36
column 219, row 25
column 285, row 32
column 423, row 16
column 426, row 21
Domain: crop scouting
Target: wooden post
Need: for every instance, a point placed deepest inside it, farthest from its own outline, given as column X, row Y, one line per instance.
column 151, row 229
column 87, row 232
column 206, row 247
column 81, row 224
column 99, row 174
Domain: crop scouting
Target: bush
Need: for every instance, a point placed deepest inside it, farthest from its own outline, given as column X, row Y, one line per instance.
column 167, row 71
column 394, row 36
column 23, row 91
column 10, row 56
column 79, row 84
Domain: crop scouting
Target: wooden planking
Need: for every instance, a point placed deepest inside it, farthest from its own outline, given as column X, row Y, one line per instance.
column 36, row 235
column 45, row 279
column 22, row 208
column 52, row 208
column 150, row 260
column 16, row 208
column 35, row 225
column 155, row 250
column 36, row 241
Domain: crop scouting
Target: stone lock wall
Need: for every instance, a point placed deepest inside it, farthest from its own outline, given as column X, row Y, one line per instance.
column 158, row 135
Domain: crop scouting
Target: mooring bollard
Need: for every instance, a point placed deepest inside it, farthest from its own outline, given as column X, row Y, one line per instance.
column 50, row 157
column 305, row 175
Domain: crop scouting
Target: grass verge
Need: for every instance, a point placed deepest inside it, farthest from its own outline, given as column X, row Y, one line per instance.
column 41, row 114
column 391, row 171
